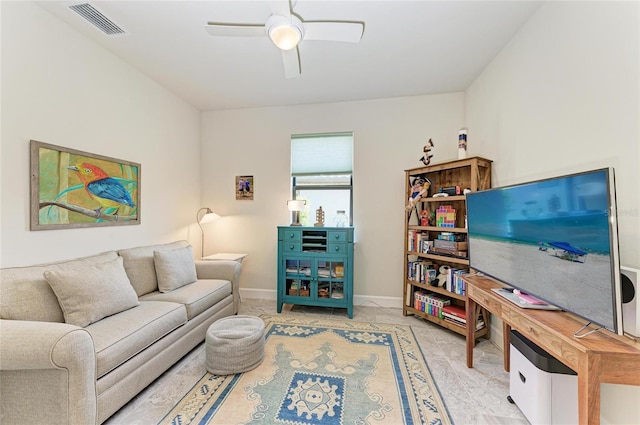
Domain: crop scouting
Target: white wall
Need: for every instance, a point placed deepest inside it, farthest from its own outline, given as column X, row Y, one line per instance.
column 58, row 87
column 562, row 97
column 388, row 138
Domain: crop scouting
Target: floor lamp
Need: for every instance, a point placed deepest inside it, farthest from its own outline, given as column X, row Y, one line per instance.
column 208, row 217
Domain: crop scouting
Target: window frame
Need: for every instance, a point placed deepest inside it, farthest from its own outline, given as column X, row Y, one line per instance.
column 295, row 188
column 312, row 170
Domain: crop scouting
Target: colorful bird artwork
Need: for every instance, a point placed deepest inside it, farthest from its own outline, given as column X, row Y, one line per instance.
column 107, row 191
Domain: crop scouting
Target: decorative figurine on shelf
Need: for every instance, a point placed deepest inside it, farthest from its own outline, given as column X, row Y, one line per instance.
column 426, row 158
column 319, row 217
column 419, row 188
column 427, row 218
column 442, row 277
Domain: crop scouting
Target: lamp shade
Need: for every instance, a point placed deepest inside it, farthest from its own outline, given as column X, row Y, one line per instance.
column 209, row 217
column 296, row 205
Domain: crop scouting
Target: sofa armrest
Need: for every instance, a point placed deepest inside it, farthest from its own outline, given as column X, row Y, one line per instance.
column 48, row 365
column 225, row 270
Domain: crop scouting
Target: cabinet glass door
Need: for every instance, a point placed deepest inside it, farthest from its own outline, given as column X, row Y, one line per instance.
column 298, row 278
column 330, row 275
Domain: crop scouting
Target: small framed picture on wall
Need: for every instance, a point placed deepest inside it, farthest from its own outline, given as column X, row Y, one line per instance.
column 244, row 188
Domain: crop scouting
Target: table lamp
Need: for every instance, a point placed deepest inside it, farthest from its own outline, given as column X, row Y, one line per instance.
column 295, row 206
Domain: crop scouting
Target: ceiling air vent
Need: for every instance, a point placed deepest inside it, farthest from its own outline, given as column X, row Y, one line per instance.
column 95, row 17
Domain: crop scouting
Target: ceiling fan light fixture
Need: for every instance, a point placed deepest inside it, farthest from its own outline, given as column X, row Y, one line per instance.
column 284, row 32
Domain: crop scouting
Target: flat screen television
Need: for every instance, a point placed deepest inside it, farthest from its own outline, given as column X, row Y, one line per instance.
column 555, row 239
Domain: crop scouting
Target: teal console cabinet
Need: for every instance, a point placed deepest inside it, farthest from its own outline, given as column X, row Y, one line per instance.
column 315, row 267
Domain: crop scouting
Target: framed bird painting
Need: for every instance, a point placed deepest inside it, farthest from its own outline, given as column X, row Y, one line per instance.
column 71, row 188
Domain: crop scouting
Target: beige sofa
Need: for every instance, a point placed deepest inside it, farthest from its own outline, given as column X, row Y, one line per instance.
column 68, row 356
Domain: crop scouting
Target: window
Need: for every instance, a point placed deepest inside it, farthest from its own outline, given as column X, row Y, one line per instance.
column 321, row 174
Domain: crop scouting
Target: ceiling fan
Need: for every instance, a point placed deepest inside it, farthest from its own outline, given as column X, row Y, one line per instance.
column 286, row 30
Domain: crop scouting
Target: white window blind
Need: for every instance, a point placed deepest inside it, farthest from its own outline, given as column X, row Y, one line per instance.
column 322, row 154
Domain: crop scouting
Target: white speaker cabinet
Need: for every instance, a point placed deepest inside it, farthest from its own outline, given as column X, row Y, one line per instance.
column 630, row 279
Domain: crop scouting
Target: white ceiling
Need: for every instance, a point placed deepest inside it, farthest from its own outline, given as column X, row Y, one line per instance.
column 408, row 48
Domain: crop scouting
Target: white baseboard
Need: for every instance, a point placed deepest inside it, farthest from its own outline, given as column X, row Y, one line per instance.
column 365, row 300
column 258, row 294
column 374, row 301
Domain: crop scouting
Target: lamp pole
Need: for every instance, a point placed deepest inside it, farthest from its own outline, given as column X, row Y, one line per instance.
column 208, row 217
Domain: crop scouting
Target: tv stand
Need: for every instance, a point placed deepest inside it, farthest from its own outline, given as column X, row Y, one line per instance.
column 588, row 331
column 602, row 357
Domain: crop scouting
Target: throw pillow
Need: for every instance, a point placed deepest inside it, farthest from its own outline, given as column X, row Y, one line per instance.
column 91, row 293
column 174, row 268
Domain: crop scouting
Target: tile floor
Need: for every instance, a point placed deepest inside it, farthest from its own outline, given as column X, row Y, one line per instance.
column 473, row 396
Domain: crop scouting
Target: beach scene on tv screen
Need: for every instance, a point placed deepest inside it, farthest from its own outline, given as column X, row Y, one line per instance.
column 550, row 239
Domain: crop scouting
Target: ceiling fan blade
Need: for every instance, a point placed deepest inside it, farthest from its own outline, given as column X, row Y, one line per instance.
column 234, row 30
column 280, row 7
column 350, row 32
column 291, row 60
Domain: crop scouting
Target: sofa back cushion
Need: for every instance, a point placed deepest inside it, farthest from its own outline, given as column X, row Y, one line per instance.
column 26, row 295
column 140, row 267
column 174, row 268
column 91, row 293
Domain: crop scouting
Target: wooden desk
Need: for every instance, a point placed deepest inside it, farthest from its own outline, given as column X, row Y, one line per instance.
column 597, row 358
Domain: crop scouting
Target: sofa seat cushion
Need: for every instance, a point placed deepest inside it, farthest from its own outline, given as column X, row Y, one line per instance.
column 119, row 337
column 18, row 284
column 196, row 297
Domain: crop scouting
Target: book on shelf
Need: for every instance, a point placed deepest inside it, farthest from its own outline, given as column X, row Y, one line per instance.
column 421, row 271
column 456, row 310
column 479, row 323
column 418, row 241
column 425, row 272
column 450, row 245
column 430, row 303
column 454, row 318
column 457, row 314
column 450, row 236
column 461, row 254
column 455, row 282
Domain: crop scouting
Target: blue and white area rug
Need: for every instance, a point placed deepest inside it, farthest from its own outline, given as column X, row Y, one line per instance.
column 323, row 372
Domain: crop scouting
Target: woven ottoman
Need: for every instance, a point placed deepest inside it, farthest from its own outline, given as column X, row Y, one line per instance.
column 234, row 344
